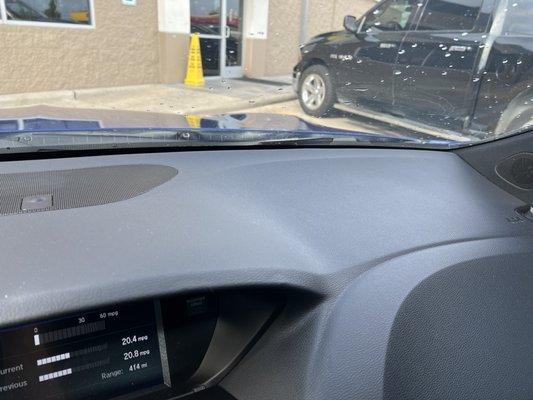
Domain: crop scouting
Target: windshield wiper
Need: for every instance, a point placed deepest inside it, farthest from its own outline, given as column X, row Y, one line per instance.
column 187, row 138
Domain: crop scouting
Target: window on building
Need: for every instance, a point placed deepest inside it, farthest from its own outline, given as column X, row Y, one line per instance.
column 76, row 12
column 449, row 15
column 395, row 15
column 205, row 16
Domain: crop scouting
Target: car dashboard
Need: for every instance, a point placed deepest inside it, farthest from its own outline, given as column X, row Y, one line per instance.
column 263, row 274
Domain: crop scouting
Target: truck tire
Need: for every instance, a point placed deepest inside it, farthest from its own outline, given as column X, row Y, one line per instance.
column 316, row 91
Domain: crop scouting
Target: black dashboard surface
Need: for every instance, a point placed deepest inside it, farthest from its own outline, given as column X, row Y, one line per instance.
column 359, row 228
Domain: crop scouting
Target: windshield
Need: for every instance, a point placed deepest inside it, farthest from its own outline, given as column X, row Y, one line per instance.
column 402, row 73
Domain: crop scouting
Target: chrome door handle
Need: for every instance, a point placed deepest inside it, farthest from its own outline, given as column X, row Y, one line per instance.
column 461, row 49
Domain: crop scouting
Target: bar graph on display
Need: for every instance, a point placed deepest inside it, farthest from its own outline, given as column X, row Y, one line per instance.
column 71, row 354
column 73, row 370
column 67, row 333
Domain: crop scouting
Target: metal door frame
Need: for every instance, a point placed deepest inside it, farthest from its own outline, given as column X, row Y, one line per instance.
column 225, row 71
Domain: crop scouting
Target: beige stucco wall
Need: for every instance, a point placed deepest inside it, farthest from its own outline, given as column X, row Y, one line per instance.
column 283, row 36
column 328, row 15
column 173, row 56
column 255, row 61
column 121, row 50
column 285, row 24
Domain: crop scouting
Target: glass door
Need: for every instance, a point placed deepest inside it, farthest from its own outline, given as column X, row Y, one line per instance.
column 206, row 19
column 233, row 39
column 220, row 25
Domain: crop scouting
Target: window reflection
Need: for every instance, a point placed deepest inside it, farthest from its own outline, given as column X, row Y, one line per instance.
column 58, row 11
column 205, row 16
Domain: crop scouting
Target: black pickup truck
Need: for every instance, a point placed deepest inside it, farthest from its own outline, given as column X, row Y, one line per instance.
column 456, row 65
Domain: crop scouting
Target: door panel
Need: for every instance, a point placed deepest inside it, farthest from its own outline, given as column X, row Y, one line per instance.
column 210, row 49
column 220, row 25
column 366, row 61
column 434, row 77
column 206, row 19
column 233, row 38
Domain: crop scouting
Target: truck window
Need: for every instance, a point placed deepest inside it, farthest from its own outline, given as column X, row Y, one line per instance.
column 394, row 15
column 519, row 18
column 449, row 15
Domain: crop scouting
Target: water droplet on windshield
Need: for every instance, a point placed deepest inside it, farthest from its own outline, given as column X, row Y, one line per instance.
column 414, row 45
column 397, row 72
column 401, row 52
column 455, row 39
column 476, row 79
column 505, row 61
column 447, row 55
column 359, row 61
column 519, row 62
column 483, row 36
column 464, row 33
column 515, row 4
column 444, row 73
column 347, row 83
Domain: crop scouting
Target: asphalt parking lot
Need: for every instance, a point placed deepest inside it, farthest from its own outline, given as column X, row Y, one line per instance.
column 339, row 120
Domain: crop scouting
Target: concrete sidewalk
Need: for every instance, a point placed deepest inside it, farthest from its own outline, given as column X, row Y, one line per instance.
column 218, row 96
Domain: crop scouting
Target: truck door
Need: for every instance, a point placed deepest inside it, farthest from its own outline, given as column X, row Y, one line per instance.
column 367, row 61
column 434, row 78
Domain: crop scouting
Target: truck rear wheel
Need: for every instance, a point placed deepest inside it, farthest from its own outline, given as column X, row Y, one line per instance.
column 316, row 91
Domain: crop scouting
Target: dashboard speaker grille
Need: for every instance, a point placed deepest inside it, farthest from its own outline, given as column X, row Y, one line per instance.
column 63, row 189
column 517, row 170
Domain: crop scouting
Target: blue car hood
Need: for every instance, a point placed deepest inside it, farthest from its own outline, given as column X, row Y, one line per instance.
column 53, row 119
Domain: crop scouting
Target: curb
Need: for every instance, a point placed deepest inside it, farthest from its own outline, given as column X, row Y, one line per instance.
column 25, row 99
column 243, row 105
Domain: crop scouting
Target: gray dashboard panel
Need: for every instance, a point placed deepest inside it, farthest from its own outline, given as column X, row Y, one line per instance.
column 331, row 222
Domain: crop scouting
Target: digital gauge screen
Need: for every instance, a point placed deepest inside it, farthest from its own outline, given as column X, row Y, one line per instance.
column 96, row 355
